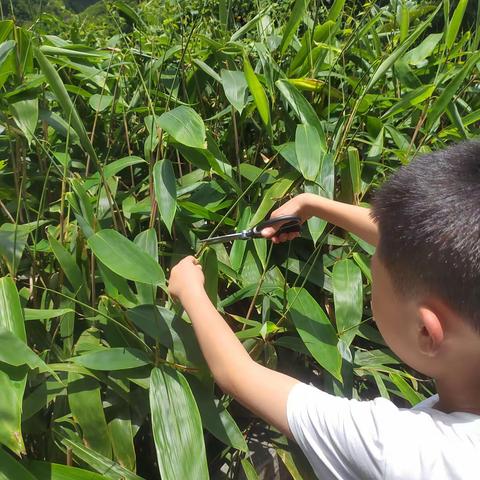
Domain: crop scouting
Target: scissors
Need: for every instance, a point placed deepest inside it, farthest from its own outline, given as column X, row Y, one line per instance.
column 292, row 224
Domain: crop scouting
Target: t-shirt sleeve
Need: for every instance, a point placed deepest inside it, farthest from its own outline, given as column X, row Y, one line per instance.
column 341, row 438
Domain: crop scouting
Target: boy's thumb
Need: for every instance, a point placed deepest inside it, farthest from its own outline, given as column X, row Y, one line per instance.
column 268, row 232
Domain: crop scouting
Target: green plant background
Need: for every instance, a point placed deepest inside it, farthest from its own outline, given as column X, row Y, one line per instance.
column 131, row 131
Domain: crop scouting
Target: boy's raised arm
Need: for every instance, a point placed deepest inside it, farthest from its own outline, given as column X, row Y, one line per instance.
column 259, row 389
column 349, row 217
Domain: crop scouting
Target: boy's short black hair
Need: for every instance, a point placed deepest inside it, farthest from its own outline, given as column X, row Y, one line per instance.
column 428, row 214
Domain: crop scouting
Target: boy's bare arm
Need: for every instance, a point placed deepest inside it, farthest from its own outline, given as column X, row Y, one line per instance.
column 349, row 217
column 259, row 389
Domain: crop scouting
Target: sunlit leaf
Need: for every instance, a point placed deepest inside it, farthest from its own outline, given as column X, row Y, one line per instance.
column 348, row 298
column 165, row 191
column 315, row 330
column 124, row 258
column 177, row 428
column 185, row 125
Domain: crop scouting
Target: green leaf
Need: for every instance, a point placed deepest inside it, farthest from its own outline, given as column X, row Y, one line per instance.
column 336, row 10
column 400, row 51
column 102, row 464
column 249, row 470
column 210, row 271
column 65, row 102
column 165, row 191
column 417, row 55
column 323, row 186
column 301, row 107
column 110, row 359
column 45, row 314
column 150, row 320
column 15, row 352
column 25, row 113
column 315, row 330
column 295, row 17
column 308, row 149
column 55, row 471
column 208, row 70
column 185, row 125
column 100, row 102
column 12, row 469
column 238, row 247
column 235, row 88
column 455, row 23
column 258, row 93
column 215, row 417
column 130, row 14
column 148, row 242
column 12, row 378
column 441, row 104
column 85, row 403
column 273, row 194
column 177, row 428
column 125, row 258
column 13, row 239
column 5, row 49
column 411, row 99
column 348, row 298
column 122, row 435
column 69, row 267
column 405, row 389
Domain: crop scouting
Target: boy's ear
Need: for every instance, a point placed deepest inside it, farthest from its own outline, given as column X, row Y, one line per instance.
column 431, row 331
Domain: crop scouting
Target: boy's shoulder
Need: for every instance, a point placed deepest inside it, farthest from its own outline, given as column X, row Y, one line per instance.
column 346, row 439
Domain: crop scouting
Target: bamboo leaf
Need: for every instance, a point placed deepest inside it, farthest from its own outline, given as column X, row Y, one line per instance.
column 399, row 51
column 294, row 20
column 55, row 471
column 336, row 10
column 125, row 258
column 12, row 469
column 25, row 113
column 258, row 93
column 315, row 330
column 165, row 191
column 441, row 103
column 69, row 267
column 455, row 22
column 348, row 298
column 12, row 378
column 235, row 87
column 215, row 417
column 86, row 406
column 110, row 359
column 185, row 125
column 106, row 467
column 122, row 435
column 5, row 50
column 273, row 194
column 210, row 271
column 308, row 149
column 65, row 102
column 148, row 242
column 302, row 109
column 177, row 427
column 100, row 102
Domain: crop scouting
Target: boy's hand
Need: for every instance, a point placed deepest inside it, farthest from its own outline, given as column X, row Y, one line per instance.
column 298, row 206
column 186, row 277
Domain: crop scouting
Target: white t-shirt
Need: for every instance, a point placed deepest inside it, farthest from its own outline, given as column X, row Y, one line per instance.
column 350, row 439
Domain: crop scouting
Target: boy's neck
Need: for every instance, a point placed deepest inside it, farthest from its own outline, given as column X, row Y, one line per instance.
column 459, row 395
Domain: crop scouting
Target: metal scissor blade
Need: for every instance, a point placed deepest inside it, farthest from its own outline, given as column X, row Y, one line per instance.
column 223, row 238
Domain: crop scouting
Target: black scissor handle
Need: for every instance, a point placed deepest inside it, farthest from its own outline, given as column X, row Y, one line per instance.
column 291, row 223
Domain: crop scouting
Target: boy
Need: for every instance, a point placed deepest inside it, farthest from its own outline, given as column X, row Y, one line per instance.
column 426, row 303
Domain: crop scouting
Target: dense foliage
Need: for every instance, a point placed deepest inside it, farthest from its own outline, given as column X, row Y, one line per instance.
column 128, row 137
